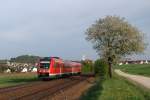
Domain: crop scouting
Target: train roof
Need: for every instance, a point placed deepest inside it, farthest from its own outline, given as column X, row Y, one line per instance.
column 45, row 59
column 55, row 57
column 65, row 61
column 49, row 58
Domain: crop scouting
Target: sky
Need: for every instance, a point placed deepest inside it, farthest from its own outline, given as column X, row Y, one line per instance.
column 57, row 27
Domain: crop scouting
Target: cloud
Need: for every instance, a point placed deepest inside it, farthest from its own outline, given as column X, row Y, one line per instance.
column 14, row 36
column 56, row 27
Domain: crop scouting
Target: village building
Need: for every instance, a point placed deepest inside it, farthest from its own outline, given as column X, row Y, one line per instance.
column 34, row 69
column 7, row 71
column 24, row 70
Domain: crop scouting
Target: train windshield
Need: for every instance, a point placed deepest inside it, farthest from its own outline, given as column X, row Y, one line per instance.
column 45, row 64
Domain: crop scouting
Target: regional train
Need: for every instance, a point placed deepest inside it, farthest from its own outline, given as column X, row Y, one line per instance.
column 52, row 67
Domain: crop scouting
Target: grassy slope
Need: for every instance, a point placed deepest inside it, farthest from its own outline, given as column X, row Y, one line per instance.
column 115, row 89
column 15, row 79
column 136, row 69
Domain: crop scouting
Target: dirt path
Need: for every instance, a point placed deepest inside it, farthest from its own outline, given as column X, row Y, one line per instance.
column 142, row 80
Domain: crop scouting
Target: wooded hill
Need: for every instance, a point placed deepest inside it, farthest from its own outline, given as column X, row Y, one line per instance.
column 25, row 59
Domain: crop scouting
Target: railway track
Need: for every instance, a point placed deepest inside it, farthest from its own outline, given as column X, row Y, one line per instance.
column 39, row 90
column 13, row 88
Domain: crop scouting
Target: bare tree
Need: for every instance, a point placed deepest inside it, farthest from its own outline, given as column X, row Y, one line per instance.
column 113, row 37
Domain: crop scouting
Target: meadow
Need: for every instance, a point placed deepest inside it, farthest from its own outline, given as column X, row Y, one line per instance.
column 138, row 69
column 12, row 79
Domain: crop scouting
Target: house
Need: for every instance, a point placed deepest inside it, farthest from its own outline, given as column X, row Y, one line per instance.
column 141, row 62
column 120, row 63
column 8, row 71
column 146, row 62
column 24, row 70
column 34, row 69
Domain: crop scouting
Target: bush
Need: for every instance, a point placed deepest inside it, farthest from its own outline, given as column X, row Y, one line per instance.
column 87, row 66
column 3, row 67
column 101, row 68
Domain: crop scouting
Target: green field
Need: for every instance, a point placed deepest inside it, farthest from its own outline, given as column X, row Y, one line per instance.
column 138, row 69
column 116, row 88
column 16, row 79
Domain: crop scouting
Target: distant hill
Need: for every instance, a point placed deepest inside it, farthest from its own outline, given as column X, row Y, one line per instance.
column 25, row 59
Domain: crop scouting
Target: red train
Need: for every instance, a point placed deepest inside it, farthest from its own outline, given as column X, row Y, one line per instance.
column 49, row 67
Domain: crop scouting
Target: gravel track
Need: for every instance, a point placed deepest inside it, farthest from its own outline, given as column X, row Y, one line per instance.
column 142, row 80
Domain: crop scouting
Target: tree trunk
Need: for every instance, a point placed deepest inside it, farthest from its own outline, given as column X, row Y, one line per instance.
column 110, row 66
column 110, row 70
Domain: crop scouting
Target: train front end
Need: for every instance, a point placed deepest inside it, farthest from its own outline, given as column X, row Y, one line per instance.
column 44, row 67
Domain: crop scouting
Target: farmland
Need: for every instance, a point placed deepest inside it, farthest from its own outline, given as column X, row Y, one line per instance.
column 12, row 79
column 138, row 69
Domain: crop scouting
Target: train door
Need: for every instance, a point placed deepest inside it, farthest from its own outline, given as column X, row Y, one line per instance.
column 61, row 69
column 55, row 68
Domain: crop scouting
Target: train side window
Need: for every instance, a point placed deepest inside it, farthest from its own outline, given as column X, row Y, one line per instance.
column 65, row 66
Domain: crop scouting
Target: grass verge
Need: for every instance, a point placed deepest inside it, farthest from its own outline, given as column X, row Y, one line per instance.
column 116, row 88
column 16, row 79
